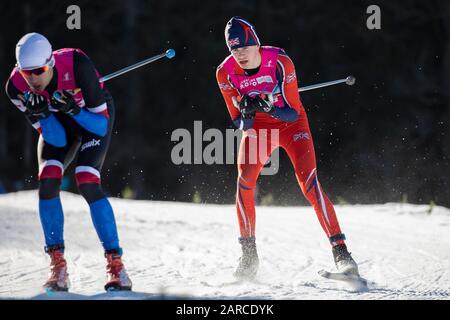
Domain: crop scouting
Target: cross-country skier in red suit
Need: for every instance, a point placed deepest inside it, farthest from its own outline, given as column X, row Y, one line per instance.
column 247, row 78
column 60, row 95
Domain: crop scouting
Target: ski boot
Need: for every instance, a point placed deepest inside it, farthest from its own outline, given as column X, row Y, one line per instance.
column 117, row 277
column 344, row 261
column 249, row 261
column 58, row 278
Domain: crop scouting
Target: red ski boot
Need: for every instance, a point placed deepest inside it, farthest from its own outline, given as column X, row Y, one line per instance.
column 116, row 274
column 59, row 278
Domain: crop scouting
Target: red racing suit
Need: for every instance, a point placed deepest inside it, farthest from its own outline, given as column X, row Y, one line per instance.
column 276, row 74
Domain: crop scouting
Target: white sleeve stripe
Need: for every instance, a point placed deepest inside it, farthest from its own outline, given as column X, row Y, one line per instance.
column 232, row 84
column 19, row 104
column 282, row 84
column 284, row 78
column 98, row 109
column 36, row 125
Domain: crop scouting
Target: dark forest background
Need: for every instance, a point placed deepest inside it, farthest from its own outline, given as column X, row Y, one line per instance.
column 386, row 139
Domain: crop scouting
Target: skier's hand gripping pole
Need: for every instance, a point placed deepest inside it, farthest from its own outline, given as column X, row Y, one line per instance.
column 168, row 54
column 350, row 80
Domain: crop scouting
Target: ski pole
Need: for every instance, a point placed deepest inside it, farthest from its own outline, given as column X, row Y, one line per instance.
column 350, row 80
column 169, row 54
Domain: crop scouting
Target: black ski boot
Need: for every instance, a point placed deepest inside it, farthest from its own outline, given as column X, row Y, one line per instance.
column 344, row 261
column 249, row 261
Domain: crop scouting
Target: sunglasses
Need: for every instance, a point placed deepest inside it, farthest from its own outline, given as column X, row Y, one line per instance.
column 37, row 71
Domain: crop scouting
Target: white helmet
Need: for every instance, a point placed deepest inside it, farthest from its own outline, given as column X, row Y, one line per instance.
column 34, row 51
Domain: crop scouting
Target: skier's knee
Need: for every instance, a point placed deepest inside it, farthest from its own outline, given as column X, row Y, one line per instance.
column 91, row 192
column 49, row 188
column 246, row 182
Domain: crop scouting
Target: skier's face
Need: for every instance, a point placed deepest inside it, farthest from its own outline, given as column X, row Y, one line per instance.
column 247, row 57
column 38, row 82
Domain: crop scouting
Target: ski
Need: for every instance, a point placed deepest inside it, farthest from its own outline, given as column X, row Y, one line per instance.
column 54, row 287
column 117, row 289
column 222, row 284
column 352, row 279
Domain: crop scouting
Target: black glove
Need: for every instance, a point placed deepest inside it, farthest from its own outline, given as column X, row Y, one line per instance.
column 263, row 105
column 246, row 107
column 64, row 102
column 36, row 105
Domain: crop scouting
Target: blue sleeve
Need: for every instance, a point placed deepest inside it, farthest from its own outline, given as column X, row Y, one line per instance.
column 285, row 114
column 243, row 124
column 53, row 132
column 92, row 122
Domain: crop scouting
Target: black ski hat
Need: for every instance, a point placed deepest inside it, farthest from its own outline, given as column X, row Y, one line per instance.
column 240, row 33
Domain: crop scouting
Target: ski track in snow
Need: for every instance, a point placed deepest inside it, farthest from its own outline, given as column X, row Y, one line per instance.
column 189, row 251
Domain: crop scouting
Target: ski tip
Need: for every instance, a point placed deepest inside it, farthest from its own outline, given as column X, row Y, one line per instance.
column 170, row 53
column 359, row 283
column 322, row 272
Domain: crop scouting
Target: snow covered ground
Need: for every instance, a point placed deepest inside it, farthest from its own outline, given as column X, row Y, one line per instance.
column 182, row 250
